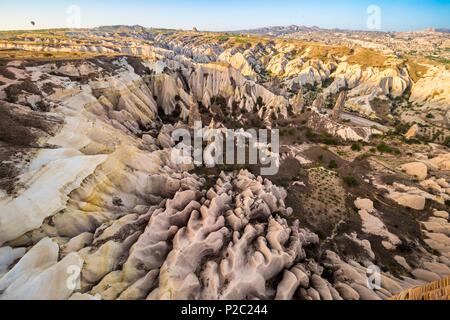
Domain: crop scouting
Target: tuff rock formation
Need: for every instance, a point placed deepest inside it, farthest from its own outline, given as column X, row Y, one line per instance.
column 94, row 204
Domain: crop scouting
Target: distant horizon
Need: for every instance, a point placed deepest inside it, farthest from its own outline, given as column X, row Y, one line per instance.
column 224, row 31
column 231, row 15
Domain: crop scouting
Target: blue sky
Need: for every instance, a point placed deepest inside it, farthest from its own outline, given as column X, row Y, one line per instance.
column 227, row 15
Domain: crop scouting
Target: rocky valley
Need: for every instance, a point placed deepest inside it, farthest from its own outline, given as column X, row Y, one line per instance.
column 94, row 205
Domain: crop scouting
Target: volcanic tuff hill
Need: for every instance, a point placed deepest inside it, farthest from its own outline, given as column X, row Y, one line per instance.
column 87, row 177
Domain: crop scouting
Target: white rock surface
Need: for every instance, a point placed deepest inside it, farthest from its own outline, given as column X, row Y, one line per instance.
column 416, row 169
column 415, row 202
column 8, row 256
column 364, row 204
column 39, row 275
column 27, row 211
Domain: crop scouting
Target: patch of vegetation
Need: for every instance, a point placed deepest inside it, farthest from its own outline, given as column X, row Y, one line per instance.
column 350, row 181
column 447, row 142
column 324, row 204
column 401, row 128
column 436, row 135
column 412, row 141
column 439, row 59
column 310, row 134
column 329, row 141
column 10, row 55
column 356, row 147
column 368, row 58
column 333, row 164
column 384, row 148
column 323, row 52
column 310, row 97
column 287, row 131
column 416, row 70
column 322, row 138
column 239, row 41
column 362, row 157
column 223, row 38
column 220, row 101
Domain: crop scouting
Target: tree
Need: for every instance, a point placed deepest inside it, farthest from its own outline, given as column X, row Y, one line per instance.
column 356, row 147
column 333, row 164
column 351, row 181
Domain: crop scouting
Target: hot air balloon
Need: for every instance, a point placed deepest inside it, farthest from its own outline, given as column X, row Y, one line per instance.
column 33, row 23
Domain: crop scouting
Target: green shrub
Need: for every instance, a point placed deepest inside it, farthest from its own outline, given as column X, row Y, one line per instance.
column 223, row 38
column 362, row 157
column 384, row 148
column 351, row 181
column 329, row 141
column 287, row 131
column 402, row 128
column 447, row 141
column 333, row 164
column 412, row 141
column 356, row 147
column 310, row 133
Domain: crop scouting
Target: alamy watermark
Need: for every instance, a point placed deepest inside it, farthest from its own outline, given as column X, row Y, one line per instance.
column 227, row 147
column 374, row 20
column 74, row 17
column 373, row 277
column 73, row 278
